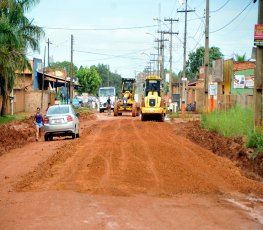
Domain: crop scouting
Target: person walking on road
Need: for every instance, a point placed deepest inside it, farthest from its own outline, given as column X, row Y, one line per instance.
column 109, row 105
column 38, row 123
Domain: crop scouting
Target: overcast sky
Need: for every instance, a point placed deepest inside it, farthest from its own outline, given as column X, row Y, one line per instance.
column 114, row 32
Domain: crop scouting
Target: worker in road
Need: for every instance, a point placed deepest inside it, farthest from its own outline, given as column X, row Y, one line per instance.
column 109, row 105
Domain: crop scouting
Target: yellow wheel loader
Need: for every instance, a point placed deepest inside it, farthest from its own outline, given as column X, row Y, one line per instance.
column 153, row 106
column 127, row 103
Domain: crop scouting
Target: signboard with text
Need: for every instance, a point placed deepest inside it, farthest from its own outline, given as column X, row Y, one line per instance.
column 258, row 35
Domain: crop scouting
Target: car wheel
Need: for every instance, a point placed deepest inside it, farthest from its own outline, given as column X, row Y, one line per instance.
column 77, row 135
column 51, row 138
column 73, row 135
column 46, row 137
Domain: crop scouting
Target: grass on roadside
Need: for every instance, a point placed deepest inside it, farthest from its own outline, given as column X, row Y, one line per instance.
column 238, row 121
column 84, row 110
column 9, row 118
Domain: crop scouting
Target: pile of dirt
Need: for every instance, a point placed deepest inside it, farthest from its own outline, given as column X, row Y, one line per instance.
column 232, row 148
column 20, row 132
column 16, row 134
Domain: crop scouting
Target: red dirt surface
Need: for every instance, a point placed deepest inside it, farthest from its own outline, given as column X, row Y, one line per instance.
column 232, row 148
column 126, row 174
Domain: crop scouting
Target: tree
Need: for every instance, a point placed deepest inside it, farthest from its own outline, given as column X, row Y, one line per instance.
column 17, row 34
column 196, row 59
column 64, row 65
column 89, row 80
column 238, row 57
column 108, row 78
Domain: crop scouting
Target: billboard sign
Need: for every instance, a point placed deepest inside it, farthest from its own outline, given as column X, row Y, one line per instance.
column 258, row 35
column 243, row 82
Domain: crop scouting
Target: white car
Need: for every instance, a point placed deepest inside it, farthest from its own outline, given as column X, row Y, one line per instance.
column 61, row 120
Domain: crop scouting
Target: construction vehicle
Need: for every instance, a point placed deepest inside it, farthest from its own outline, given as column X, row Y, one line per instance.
column 127, row 103
column 153, row 106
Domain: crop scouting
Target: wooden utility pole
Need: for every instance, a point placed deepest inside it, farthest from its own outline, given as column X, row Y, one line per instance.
column 258, row 118
column 206, row 56
column 43, row 81
column 171, row 54
column 71, row 72
column 184, row 79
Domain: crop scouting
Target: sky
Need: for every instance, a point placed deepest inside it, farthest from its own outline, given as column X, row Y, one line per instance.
column 122, row 33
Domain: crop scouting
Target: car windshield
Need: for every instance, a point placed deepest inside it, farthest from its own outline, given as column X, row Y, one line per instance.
column 106, row 92
column 58, row 110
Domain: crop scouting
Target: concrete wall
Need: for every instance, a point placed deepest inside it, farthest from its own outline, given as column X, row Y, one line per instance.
column 33, row 100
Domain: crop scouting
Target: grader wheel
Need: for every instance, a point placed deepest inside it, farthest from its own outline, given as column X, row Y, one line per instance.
column 134, row 109
column 115, row 110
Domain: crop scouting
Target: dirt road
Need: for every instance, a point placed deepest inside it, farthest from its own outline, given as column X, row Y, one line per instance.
column 125, row 174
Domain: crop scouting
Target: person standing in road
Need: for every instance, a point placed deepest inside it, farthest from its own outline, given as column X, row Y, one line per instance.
column 48, row 105
column 38, row 123
column 109, row 105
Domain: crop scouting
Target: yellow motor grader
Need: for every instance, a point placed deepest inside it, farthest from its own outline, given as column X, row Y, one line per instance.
column 127, row 103
column 153, row 106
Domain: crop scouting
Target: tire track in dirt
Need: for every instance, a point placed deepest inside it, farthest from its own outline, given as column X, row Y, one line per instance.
column 147, row 151
column 126, row 156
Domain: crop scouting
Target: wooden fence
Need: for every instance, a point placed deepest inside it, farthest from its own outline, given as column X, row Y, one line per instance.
column 225, row 102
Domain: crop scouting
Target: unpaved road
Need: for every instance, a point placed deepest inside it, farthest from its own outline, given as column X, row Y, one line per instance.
column 125, row 174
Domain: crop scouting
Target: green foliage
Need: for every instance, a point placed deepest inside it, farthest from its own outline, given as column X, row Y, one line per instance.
column 174, row 115
column 108, row 78
column 240, row 57
column 17, row 34
column 64, row 65
column 165, row 87
column 7, row 119
column 196, row 59
column 89, row 79
column 238, row 121
column 254, row 140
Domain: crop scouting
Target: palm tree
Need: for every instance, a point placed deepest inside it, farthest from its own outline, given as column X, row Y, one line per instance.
column 17, row 35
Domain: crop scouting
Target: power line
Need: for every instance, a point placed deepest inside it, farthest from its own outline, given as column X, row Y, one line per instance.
column 213, row 11
column 102, row 29
column 233, row 18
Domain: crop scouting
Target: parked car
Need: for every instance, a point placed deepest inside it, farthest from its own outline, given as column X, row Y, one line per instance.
column 61, row 120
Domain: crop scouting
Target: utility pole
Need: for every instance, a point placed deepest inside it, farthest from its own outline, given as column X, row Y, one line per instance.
column 162, row 40
column 154, row 61
column 184, row 79
column 206, row 56
column 171, row 53
column 258, row 119
column 48, row 42
column 158, row 55
column 43, row 81
column 71, row 71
